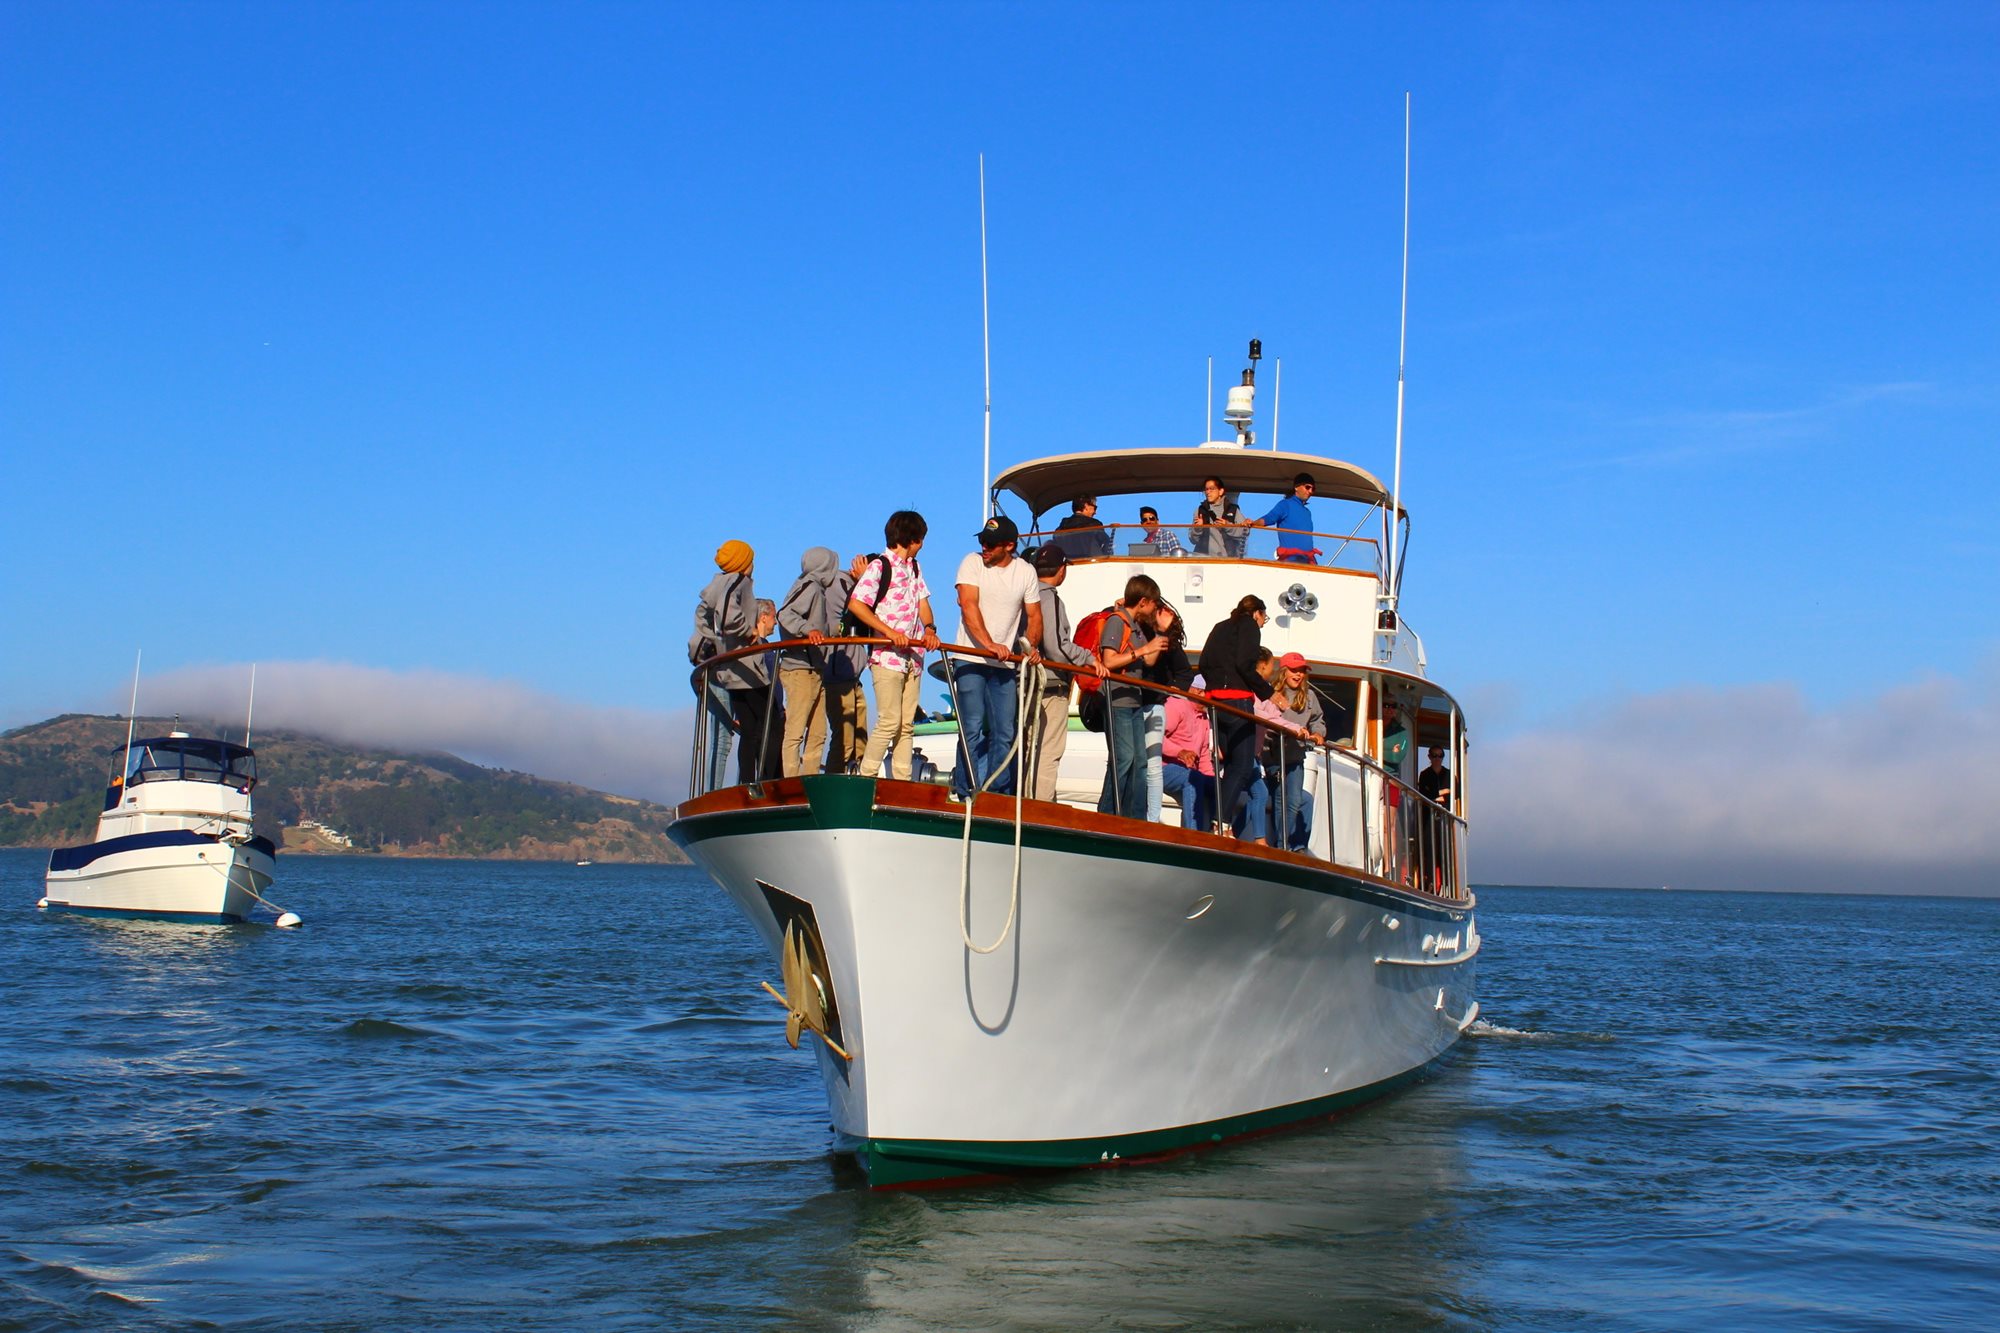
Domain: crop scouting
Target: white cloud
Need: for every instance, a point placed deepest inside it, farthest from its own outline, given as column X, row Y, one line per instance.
column 632, row 752
column 1752, row 788
column 1748, row 788
column 1703, row 435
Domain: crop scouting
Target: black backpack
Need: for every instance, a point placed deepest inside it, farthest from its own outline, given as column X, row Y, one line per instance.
column 851, row 625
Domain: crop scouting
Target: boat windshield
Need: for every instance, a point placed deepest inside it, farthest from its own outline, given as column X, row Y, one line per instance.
column 183, row 759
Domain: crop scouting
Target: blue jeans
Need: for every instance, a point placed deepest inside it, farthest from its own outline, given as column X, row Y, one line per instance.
column 1125, row 772
column 986, row 718
column 1252, row 816
column 1156, row 738
column 1194, row 790
column 1296, row 808
column 715, row 717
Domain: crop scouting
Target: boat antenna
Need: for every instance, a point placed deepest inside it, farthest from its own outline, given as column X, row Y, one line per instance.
column 1402, row 359
column 251, row 710
column 1277, row 388
column 986, row 346
column 131, row 712
column 1208, row 411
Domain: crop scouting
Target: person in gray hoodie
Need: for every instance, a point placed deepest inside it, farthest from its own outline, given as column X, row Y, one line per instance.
column 725, row 617
column 846, row 701
column 811, row 611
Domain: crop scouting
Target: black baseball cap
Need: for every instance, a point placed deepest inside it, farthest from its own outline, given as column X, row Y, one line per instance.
column 1049, row 559
column 999, row 531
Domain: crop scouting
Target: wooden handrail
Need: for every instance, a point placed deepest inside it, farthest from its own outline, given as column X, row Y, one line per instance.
column 1152, row 686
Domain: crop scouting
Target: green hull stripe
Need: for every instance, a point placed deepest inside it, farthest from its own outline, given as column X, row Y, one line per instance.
column 892, row 1162
column 838, row 801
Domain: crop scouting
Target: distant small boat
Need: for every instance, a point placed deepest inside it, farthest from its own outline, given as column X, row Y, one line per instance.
column 586, row 863
column 174, row 841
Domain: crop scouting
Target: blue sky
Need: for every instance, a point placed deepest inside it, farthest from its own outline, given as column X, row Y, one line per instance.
column 453, row 338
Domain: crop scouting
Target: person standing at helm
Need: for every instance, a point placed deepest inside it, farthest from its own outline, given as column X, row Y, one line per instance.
column 1294, row 521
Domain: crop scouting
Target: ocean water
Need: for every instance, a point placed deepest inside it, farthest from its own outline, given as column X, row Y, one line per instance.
column 503, row 1096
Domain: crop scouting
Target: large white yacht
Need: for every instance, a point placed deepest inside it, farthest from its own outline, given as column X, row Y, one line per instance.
column 1007, row 985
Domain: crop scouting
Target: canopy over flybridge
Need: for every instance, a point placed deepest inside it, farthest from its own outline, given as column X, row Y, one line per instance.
column 1044, row 483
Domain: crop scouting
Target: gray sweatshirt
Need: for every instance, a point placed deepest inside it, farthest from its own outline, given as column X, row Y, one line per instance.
column 728, row 610
column 812, row 604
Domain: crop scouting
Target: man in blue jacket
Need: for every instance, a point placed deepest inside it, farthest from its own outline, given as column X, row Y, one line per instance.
column 1292, row 515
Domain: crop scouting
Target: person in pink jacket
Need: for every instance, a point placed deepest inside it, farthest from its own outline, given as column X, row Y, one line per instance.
column 1188, row 770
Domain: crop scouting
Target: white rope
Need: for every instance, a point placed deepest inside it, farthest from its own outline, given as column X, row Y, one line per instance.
column 276, row 910
column 1027, row 686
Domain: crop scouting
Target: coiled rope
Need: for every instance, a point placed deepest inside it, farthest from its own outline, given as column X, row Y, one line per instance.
column 1028, row 679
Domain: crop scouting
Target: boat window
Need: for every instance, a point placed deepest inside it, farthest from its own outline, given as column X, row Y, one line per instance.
column 203, row 761
column 154, row 763
column 189, row 760
column 1338, row 698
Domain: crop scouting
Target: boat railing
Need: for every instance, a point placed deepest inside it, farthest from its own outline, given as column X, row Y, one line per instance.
column 1219, row 541
column 1405, row 837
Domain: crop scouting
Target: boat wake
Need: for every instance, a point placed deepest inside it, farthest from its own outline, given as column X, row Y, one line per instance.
column 1482, row 1028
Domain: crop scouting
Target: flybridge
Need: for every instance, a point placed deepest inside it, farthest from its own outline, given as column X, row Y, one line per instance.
column 1044, row 483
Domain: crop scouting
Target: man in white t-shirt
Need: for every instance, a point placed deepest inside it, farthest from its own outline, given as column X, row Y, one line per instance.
column 999, row 603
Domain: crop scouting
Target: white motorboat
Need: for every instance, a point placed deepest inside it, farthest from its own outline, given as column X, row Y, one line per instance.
column 1010, row 985
column 174, row 841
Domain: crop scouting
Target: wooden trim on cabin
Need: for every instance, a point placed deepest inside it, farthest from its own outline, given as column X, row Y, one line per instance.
column 1219, row 560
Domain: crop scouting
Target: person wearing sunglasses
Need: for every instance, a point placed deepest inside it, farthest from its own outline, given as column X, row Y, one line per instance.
column 1294, row 521
column 1218, row 529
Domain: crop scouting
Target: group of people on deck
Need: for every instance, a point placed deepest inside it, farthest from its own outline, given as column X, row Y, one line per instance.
column 1246, row 780
column 1218, row 528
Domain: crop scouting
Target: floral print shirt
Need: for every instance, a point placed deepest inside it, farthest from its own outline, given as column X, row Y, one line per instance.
column 899, row 608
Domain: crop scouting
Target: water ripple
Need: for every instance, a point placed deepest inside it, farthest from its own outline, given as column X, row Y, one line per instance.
column 1677, row 1112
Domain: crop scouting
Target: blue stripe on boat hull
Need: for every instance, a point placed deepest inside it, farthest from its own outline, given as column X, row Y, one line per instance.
column 76, row 858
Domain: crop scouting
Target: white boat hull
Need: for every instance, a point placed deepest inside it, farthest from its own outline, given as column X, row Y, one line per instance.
column 1156, row 989
column 205, row 879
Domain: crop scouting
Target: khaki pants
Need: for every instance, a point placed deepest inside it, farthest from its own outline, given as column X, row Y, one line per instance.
column 805, row 718
column 1051, row 737
column 847, row 722
column 896, row 695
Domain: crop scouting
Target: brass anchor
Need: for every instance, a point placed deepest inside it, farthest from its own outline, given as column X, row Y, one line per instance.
column 804, row 996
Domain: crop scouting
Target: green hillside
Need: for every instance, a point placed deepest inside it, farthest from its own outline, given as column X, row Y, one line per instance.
column 53, row 775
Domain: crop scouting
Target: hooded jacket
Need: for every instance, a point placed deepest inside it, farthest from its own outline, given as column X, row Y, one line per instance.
column 727, row 612
column 813, row 604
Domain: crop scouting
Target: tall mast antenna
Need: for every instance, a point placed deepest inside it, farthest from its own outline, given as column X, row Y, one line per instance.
column 131, row 712
column 986, row 346
column 133, row 707
column 1277, row 397
column 1402, row 358
column 251, row 710
column 1208, row 412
